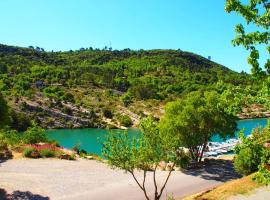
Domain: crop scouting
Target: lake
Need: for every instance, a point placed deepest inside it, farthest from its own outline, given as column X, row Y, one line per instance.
column 91, row 139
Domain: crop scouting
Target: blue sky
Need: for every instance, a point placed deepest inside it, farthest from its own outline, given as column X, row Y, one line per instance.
column 202, row 27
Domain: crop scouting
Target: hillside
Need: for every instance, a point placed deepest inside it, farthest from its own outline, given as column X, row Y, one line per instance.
column 101, row 88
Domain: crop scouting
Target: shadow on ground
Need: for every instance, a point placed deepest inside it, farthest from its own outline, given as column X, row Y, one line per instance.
column 19, row 195
column 5, row 155
column 215, row 169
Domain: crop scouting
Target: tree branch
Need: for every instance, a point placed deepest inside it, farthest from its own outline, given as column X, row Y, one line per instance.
column 141, row 186
column 132, row 173
column 155, row 182
column 144, row 190
column 163, row 187
column 265, row 6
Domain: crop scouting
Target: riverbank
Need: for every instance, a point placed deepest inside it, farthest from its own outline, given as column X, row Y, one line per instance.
column 91, row 139
column 89, row 179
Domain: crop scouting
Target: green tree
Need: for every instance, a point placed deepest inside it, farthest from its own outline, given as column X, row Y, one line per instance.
column 255, row 12
column 4, row 114
column 143, row 153
column 34, row 134
column 196, row 118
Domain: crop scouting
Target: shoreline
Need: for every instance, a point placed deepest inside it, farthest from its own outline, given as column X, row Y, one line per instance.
column 127, row 128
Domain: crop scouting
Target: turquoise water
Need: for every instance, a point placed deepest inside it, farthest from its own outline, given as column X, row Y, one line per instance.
column 246, row 125
column 91, row 139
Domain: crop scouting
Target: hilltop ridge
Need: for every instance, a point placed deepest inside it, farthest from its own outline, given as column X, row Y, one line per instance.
column 102, row 87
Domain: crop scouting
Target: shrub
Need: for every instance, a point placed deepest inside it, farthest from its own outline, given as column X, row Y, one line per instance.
column 31, row 152
column 250, row 153
column 72, row 157
column 126, row 99
column 54, row 143
column 10, row 137
column 3, row 144
column 47, row 153
column 76, row 148
column 83, row 151
column 262, row 176
column 125, row 120
column 34, row 134
column 107, row 113
column 67, row 156
column 248, row 160
column 20, row 121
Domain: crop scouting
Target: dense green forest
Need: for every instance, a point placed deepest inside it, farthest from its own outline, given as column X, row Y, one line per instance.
column 104, row 87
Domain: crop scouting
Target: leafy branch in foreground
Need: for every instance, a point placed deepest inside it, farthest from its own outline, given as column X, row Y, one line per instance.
column 256, row 12
column 143, row 153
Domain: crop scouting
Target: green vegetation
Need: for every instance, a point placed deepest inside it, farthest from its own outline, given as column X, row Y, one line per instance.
column 4, row 114
column 125, row 120
column 34, row 134
column 196, row 118
column 255, row 12
column 249, row 153
column 47, row 153
column 253, row 155
column 144, row 153
column 85, row 85
column 31, row 152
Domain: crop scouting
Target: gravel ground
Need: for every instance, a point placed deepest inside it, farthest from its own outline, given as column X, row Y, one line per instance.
column 88, row 179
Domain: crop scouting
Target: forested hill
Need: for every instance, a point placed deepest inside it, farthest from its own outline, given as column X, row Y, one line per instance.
column 94, row 87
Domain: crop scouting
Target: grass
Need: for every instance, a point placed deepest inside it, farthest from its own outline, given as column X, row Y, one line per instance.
column 231, row 188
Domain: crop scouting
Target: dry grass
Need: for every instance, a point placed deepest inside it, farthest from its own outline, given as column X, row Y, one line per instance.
column 223, row 192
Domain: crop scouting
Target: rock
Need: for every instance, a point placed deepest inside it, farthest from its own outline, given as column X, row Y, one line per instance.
column 89, row 157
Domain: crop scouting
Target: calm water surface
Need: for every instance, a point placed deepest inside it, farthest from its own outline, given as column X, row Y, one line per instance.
column 91, row 139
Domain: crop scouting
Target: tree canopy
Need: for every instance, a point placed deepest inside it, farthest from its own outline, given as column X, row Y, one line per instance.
column 143, row 153
column 196, row 118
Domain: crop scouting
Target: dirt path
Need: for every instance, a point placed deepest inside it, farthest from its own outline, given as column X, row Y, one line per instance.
column 262, row 193
column 86, row 180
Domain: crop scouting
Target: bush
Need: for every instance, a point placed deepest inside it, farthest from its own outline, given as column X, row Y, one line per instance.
column 67, row 156
column 20, row 122
column 47, row 153
column 31, row 152
column 107, row 113
column 76, row 147
column 126, row 99
column 3, row 144
column 248, row 159
column 262, row 176
column 34, row 134
column 125, row 120
column 250, row 153
column 10, row 137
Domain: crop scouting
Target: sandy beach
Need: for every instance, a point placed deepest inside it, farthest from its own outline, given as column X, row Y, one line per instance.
column 88, row 179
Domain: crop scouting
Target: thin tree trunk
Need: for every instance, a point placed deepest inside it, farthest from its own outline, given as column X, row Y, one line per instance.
column 204, row 146
column 155, row 182
column 163, row 187
column 141, row 186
